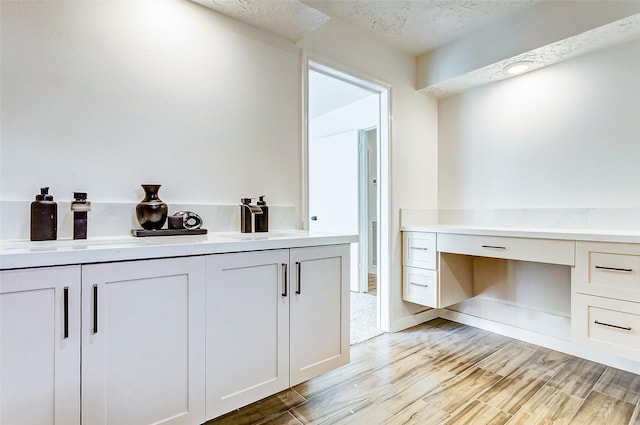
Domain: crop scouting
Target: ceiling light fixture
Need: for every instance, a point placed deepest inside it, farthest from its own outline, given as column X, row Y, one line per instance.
column 518, row 67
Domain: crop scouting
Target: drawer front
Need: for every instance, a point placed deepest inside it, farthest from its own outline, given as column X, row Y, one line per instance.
column 420, row 286
column 608, row 325
column 419, row 249
column 538, row 250
column 608, row 269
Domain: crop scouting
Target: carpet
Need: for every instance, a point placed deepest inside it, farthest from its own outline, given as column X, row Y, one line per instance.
column 363, row 317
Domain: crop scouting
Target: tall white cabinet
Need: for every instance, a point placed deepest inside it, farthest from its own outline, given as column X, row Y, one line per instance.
column 40, row 346
column 143, row 342
column 274, row 319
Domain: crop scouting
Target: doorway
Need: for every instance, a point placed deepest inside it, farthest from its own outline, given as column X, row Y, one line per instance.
column 344, row 160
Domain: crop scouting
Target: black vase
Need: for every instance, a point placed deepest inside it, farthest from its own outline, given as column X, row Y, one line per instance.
column 151, row 211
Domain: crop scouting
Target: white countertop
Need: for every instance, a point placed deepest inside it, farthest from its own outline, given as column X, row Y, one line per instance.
column 595, row 235
column 20, row 254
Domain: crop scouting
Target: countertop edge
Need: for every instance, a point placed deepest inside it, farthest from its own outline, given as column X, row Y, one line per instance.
column 590, row 235
column 160, row 247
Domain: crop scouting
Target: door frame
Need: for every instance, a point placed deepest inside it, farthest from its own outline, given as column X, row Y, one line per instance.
column 383, row 145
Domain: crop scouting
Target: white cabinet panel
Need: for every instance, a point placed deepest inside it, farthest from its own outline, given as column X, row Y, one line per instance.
column 40, row 346
column 526, row 249
column 319, row 310
column 143, row 342
column 608, row 325
column 420, row 286
column 247, row 328
column 419, row 250
column 608, row 270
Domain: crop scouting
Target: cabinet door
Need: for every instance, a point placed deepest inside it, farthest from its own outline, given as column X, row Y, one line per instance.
column 40, row 346
column 143, row 342
column 247, row 328
column 319, row 311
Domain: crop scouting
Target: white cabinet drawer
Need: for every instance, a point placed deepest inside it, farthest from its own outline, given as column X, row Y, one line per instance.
column 419, row 249
column 526, row 249
column 608, row 269
column 420, row 286
column 607, row 324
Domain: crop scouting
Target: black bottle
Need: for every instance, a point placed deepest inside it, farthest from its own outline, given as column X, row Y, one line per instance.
column 44, row 217
column 262, row 220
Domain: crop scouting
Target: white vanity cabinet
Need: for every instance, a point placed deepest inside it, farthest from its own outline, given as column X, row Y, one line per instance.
column 167, row 332
column 143, row 342
column 431, row 278
column 606, row 297
column 40, row 346
column 274, row 319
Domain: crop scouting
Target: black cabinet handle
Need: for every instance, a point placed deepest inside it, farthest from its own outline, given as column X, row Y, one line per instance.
column 494, row 247
column 615, row 269
column 65, row 299
column 284, row 280
column 624, row 328
column 298, row 284
column 95, row 309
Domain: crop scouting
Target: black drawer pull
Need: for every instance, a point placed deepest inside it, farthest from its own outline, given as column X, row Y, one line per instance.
column 494, row 247
column 284, row 280
column 624, row 328
column 298, row 283
column 66, row 311
column 95, row 309
column 615, row 269
column 419, row 247
column 422, row 285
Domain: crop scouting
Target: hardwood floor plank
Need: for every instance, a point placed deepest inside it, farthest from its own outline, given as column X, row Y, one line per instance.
column 600, row 409
column 459, row 390
column 513, row 391
column 508, row 358
column 365, row 413
column 547, row 406
column 619, row 384
column 577, row 377
column 546, row 363
column 635, row 420
column 261, row 410
column 478, row 413
column 458, row 356
column 355, row 394
column 408, row 391
column 285, row 418
column 416, row 413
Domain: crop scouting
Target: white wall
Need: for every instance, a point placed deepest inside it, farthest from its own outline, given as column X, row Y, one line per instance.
column 102, row 96
column 565, row 136
column 413, row 131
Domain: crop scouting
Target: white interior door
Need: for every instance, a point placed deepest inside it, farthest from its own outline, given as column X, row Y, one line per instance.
column 333, row 189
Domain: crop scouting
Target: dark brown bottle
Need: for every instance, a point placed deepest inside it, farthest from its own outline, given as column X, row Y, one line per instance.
column 44, row 217
column 262, row 220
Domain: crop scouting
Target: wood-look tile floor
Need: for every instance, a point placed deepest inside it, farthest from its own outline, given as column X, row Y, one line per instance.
column 443, row 372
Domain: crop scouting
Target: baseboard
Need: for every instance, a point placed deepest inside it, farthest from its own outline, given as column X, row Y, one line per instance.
column 558, row 344
column 416, row 319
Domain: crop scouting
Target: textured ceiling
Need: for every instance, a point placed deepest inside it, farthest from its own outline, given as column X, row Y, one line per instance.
column 614, row 33
column 414, row 26
column 417, row 26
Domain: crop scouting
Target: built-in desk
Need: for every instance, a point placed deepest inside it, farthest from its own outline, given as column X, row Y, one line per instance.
column 574, row 291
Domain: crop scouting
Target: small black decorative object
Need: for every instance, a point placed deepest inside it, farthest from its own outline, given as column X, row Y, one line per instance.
column 44, row 217
column 151, row 211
